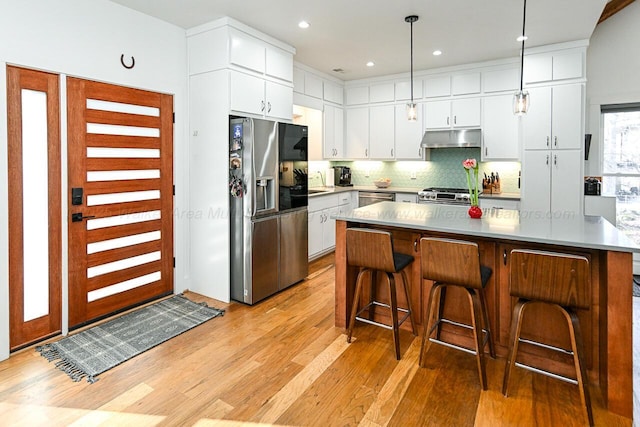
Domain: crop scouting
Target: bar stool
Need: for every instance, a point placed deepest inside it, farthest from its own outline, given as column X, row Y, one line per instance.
column 561, row 281
column 372, row 250
column 457, row 263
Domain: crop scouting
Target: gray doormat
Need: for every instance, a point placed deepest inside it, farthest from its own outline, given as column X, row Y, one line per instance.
column 98, row 349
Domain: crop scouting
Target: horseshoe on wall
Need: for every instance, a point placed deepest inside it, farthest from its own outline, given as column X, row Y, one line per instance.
column 128, row 67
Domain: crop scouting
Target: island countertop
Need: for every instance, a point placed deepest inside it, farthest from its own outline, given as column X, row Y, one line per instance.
column 590, row 232
column 606, row 324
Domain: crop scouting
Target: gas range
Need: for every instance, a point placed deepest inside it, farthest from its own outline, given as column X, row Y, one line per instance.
column 450, row 196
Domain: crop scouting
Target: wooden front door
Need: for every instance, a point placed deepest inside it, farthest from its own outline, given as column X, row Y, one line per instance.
column 33, row 122
column 120, row 162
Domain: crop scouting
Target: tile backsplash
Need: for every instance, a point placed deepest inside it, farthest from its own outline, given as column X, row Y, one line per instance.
column 443, row 170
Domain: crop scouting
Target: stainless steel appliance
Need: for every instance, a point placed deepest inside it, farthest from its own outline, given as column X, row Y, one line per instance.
column 342, row 176
column 592, row 186
column 267, row 207
column 366, row 198
column 452, row 138
column 450, row 196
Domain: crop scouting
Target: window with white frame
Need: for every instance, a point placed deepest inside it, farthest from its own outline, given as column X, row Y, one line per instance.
column 621, row 164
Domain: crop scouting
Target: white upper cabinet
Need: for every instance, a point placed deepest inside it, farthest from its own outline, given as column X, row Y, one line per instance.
column 312, row 86
column 501, row 80
column 408, row 135
column 457, row 113
column 357, row 133
column 436, row 86
column 253, row 95
column 357, row 95
column 246, row 51
column 499, row 129
column 333, row 132
column 554, row 120
column 254, row 54
column 381, row 132
column 546, row 67
column 333, row 93
column 381, row 92
column 465, row 84
column 279, row 64
column 403, row 90
column 298, row 80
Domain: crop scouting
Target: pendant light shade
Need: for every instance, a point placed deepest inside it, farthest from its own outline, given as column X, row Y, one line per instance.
column 521, row 98
column 412, row 110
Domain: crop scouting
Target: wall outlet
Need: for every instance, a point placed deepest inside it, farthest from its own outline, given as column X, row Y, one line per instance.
column 413, row 175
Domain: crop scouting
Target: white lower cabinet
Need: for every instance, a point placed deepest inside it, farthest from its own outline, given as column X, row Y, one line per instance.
column 498, row 203
column 407, row 197
column 551, row 183
column 322, row 228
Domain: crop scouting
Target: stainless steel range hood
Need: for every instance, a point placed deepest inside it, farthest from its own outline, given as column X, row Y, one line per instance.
column 452, row 138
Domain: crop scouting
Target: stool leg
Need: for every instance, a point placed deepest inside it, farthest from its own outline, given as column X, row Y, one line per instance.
column 425, row 326
column 516, row 325
column 485, row 315
column 443, row 295
column 476, row 319
column 372, row 294
column 578, row 359
column 394, row 313
column 405, row 282
column 356, row 300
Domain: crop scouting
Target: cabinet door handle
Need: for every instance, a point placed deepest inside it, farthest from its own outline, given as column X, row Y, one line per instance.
column 547, row 141
column 261, row 105
column 455, row 120
column 366, row 152
column 415, row 245
column 486, row 151
column 268, row 107
column 555, row 159
column 392, row 152
column 555, row 141
column 420, row 152
column 547, row 159
column 504, row 257
column 447, row 121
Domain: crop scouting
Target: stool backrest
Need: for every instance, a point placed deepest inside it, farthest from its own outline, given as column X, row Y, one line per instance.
column 553, row 277
column 370, row 249
column 451, row 261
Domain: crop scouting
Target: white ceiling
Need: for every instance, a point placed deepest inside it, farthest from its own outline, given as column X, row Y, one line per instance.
column 348, row 33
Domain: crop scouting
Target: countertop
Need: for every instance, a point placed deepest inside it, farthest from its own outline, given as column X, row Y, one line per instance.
column 392, row 189
column 591, row 232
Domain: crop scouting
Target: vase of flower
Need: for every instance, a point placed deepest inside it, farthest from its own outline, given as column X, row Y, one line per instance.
column 475, row 212
column 471, row 166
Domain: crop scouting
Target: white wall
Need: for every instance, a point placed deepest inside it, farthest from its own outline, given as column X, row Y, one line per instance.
column 613, row 61
column 85, row 39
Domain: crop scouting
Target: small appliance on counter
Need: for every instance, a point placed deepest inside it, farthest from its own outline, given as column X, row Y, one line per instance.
column 592, row 186
column 342, row 176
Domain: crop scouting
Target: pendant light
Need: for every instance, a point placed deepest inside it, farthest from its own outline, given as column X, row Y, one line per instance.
column 521, row 98
column 412, row 110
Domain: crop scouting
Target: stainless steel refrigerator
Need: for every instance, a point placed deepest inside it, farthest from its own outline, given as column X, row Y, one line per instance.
column 268, row 207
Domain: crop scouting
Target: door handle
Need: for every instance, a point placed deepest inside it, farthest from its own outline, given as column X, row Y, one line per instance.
column 547, row 141
column 555, row 141
column 268, row 107
column 78, row 217
column 415, row 245
column 504, row 257
column 261, row 105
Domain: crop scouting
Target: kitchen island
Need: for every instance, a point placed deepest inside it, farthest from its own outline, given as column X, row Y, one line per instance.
column 606, row 325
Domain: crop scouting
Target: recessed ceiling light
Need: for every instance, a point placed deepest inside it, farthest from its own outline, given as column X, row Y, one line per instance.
column 370, row 64
column 303, row 24
column 437, row 52
column 522, row 38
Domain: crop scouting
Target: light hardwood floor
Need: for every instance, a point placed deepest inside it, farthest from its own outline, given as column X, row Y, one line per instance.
column 282, row 362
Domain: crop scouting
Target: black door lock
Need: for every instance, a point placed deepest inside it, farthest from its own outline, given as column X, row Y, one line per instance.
column 76, row 196
column 77, row 217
